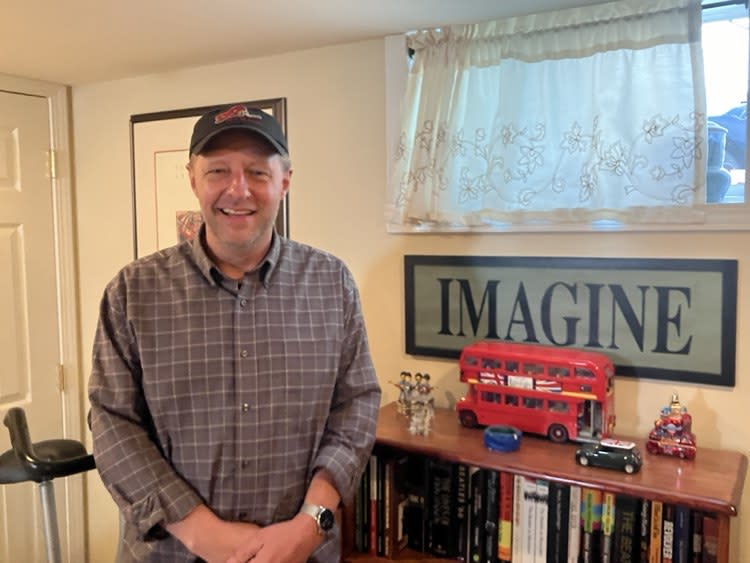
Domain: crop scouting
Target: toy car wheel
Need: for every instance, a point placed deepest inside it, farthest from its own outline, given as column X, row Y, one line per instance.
column 468, row 419
column 558, row 433
column 583, row 460
column 629, row 468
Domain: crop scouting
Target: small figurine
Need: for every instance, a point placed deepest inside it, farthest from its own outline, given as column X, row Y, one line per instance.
column 405, row 389
column 422, row 406
column 672, row 433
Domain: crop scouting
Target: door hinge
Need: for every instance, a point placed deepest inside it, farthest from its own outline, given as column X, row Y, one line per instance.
column 60, row 378
column 52, row 164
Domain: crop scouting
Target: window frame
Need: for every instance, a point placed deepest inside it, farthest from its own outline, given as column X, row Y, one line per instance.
column 708, row 216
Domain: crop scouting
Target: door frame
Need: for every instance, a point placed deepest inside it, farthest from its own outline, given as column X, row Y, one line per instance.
column 58, row 99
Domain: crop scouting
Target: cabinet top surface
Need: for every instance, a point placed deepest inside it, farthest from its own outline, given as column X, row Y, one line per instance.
column 713, row 481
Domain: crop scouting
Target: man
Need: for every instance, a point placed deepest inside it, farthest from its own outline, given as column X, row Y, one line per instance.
column 233, row 397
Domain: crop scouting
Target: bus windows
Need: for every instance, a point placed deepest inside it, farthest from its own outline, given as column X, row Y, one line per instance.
column 585, row 388
column 490, row 397
column 532, row 403
column 558, row 371
column 511, row 400
column 584, row 372
column 511, row 366
column 558, row 406
column 470, row 361
column 533, row 369
column 489, row 363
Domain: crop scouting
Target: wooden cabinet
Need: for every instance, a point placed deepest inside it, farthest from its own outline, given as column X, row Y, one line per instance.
column 711, row 483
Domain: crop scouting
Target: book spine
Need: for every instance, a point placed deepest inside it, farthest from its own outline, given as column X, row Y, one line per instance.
column 608, row 526
column 381, row 507
column 557, row 522
column 373, row 543
column 529, row 518
column 505, row 528
column 667, row 533
column 656, row 531
column 441, row 481
column 627, row 529
column 645, row 530
column 541, row 516
column 492, row 509
column 358, row 514
column 517, row 542
column 478, row 512
column 460, row 505
column 574, row 523
column 387, row 505
column 696, row 543
column 591, row 519
column 681, row 552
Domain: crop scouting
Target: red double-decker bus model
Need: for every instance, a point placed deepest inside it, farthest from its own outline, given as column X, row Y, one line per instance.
column 562, row 393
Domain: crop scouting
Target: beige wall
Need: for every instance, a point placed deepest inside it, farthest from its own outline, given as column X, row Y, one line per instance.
column 336, row 112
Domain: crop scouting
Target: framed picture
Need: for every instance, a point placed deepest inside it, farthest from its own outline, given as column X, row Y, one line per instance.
column 165, row 210
column 656, row 318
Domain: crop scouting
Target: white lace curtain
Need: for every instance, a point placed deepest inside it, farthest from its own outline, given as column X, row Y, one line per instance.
column 576, row 115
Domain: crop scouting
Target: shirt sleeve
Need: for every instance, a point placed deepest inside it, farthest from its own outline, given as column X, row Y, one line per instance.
column 350, row 431
column 144, row 485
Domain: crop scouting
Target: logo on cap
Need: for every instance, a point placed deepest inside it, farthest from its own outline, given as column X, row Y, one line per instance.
column 235, row 112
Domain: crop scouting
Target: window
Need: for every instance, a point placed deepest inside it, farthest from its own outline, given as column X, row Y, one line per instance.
column 558, row 406
column 511, row 366
column 584, row 372
column 532, row 403
column 699, row 206
column 511, row 400
column 533, row 369
column 725, row 54
column 559, row 371
column 490, row 397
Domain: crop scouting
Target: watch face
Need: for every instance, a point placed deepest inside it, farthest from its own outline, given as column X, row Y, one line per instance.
column 325, row 519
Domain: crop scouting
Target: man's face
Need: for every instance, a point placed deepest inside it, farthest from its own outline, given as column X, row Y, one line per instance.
column 240, row 183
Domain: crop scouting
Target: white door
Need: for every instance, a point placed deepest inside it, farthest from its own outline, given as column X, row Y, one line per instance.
column 29, row 326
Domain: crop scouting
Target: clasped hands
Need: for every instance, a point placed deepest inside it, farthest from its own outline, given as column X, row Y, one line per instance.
column 219, row 541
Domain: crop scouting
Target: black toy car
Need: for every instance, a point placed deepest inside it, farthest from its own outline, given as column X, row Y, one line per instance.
column 612, row 454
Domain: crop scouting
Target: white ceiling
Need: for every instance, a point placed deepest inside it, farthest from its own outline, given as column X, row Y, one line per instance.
column 80, row 41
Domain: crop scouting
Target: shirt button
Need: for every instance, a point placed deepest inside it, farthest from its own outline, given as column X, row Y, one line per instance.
column 243, row 353
column 245, row 408
column 243, row 302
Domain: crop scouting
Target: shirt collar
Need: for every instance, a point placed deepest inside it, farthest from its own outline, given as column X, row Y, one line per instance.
column 213, row 274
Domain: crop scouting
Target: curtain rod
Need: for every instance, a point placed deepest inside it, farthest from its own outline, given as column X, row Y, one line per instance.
column 725, row 3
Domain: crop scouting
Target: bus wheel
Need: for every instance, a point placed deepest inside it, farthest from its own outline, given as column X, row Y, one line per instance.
column 558, row 433
column 468, row 419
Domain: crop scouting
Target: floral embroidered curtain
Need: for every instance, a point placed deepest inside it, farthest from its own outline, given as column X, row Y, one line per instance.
column 576, row 115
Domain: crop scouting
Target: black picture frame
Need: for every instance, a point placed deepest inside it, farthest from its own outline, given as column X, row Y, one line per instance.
column 703, row 294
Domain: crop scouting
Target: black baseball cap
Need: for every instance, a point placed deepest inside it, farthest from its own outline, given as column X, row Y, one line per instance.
column 238, row 116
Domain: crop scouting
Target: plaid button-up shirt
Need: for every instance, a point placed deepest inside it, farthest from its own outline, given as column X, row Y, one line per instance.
column 206, row 390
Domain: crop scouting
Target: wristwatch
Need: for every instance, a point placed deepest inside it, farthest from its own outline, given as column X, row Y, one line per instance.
column 323, row 516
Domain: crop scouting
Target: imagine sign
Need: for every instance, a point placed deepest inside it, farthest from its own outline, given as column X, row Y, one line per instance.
column 656, row 318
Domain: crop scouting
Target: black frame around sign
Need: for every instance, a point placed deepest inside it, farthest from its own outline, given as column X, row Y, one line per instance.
column 727, row 286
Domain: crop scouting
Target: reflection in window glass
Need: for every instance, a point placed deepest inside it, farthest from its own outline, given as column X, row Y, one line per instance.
column 558, row 406
column 584, row 372
column 558, row 371
column 511, row 400
column 725, row 56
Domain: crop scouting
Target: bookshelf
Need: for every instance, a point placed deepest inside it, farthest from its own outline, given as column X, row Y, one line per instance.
column 711, row 483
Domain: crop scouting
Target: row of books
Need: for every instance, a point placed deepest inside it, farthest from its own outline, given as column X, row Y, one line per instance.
column 478, row 515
